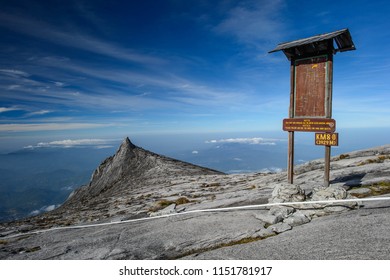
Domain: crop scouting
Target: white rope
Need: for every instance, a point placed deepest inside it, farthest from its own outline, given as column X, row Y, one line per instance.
column 330, row 202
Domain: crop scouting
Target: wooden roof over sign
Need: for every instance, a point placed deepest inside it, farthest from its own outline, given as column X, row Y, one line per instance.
column 317, row 44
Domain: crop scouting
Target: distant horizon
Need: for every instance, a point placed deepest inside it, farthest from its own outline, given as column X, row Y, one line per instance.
column 350, row 138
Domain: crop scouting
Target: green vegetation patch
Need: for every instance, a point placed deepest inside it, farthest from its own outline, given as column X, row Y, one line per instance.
column 161, row 204
column 3, row 242
column 205, row 185
column 343, row 156
column 182, row 200
column 32, row 249
column 376, row 189
column 253, row 187
column 378, row 159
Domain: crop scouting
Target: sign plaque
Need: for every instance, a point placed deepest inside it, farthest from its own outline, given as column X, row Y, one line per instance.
column 309, row 125
column 327, row 139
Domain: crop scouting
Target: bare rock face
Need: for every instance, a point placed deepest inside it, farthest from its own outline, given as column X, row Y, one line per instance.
column 118, row 177
column 114, row 168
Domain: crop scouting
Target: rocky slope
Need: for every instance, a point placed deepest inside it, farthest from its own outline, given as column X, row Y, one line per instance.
column 135, row 183
column 124, row 185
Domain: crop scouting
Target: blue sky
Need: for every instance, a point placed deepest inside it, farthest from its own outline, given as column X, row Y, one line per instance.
column 107, row 69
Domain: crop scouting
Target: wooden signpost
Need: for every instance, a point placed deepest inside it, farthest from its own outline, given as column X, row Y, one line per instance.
column 311, row 90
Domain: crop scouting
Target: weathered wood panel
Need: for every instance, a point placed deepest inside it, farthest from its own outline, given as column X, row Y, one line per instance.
column 310, row 87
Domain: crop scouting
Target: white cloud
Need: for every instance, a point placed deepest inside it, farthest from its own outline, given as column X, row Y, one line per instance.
column 68, row 143
column 14, row 73
column 271, row 170
column 8, row 109
column 34, row 213
column 195, row 152
column 39, row 113
column 13, row 87
column 43, row 209
column 59, row 84
column 48, row 126
column 103, row 147
column 50, row 208
column 251, row 141
column 254, row 22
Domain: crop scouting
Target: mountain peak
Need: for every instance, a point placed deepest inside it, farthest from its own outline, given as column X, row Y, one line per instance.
column 125, row 150
column 126, row 144
column 114, row 167
column 128, row 168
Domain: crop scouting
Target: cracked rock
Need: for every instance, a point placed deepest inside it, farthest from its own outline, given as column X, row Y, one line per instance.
column 166, row 211
column 285, row 192
column 280, row 227
column 281, row 212
column 296, row 219
column 333, row 193
column 268, row 218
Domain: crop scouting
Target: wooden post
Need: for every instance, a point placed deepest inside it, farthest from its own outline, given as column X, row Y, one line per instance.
column 328, row 113
column 290, row 156
column 327, row 166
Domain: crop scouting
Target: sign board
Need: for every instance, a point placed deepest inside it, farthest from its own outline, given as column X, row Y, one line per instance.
column 311, row 92
column 327, row 139
column 309, row 125
column 311, row 81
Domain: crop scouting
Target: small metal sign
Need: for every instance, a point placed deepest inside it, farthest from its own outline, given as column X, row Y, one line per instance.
column 327, row 139
column 309, row 125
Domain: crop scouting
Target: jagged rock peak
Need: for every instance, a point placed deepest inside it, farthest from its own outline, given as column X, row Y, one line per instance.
column 125, row 150
column 126, row 144
column 112, row 168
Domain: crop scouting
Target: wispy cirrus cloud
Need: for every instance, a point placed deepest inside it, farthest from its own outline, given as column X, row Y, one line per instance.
column 116, row 87
column 14, row 73
column 24, row 127
column 71, row 143
column 251, row 141
column 8, row 109
column 73, row 38
column 39, row 113
column 126, row 89
column 254, row 22
column 32, row 113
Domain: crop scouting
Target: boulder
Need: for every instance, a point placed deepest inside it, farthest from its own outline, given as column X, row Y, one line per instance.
column 268, row 218
column 280, row 227
column 281, row 212
column 285, row 192
column 333, row 193
column 297, row 219
column 264, row 233
column 329, row 193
